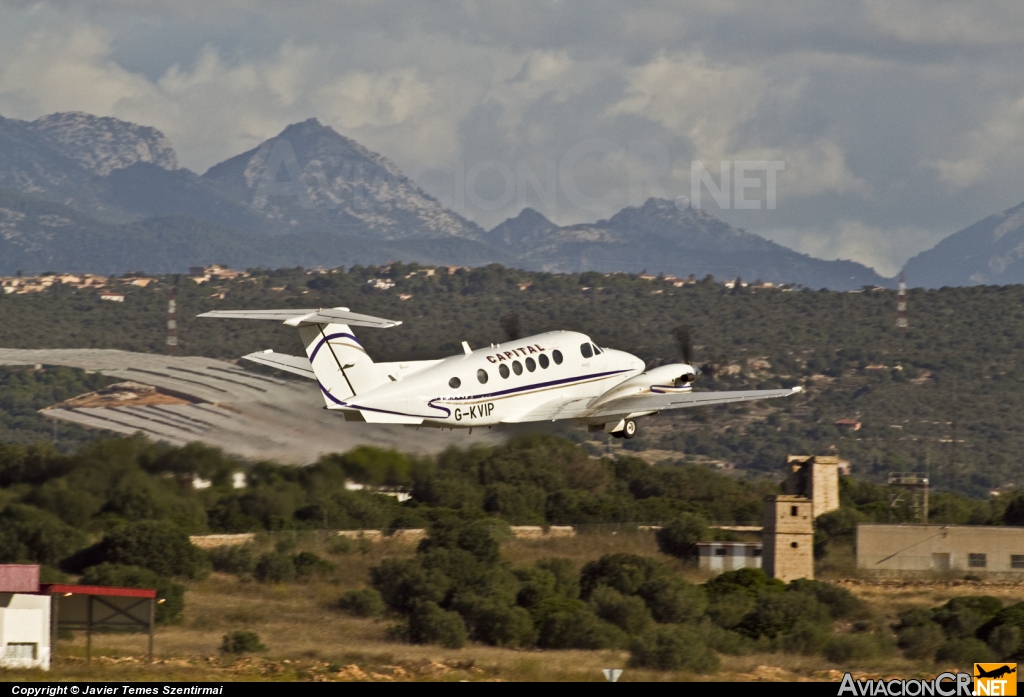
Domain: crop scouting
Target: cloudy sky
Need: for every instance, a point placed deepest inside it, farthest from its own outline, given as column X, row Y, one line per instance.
column 897, row 123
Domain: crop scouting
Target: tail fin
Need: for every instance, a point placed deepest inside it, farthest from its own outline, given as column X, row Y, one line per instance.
column 341, row 365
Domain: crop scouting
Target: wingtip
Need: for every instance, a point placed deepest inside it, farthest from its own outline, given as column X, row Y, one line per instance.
column 798, row 388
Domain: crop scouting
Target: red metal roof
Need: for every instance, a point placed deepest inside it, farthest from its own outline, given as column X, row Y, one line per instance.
column 97, row 590
column 19, row 578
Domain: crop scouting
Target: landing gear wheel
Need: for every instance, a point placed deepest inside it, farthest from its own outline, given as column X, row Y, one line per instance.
column 629, row 429
column 616, row 434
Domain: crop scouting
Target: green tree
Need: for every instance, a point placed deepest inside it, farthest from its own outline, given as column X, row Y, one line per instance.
column 680, row 537
column 156, row 545
column 170, row 595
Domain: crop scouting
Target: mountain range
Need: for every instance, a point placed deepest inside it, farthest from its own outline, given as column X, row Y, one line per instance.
column 85, row 193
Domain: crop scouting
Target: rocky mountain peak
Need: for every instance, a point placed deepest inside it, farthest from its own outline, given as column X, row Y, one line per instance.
column 527, row 227
column 104, row 144
column 309, row 174
column 989, row 252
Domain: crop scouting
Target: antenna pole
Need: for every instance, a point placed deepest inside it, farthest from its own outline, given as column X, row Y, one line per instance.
column 901, row 306
column 172, row 323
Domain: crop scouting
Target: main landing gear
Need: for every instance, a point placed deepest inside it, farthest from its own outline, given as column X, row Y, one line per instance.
column 628, row 430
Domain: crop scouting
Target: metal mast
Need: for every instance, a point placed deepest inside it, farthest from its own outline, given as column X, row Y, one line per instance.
column 901, row 305
column 172, row 324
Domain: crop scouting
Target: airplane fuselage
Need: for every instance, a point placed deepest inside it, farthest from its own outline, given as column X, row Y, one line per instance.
column 506, row 383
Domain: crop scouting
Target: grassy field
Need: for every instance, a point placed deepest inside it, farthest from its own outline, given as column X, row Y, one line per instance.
column 307, row 638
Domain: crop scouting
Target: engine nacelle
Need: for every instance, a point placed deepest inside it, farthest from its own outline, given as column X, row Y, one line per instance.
column 672, row 375
column 666, row 378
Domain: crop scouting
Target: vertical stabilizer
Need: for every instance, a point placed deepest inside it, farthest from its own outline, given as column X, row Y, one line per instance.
column 341, row 364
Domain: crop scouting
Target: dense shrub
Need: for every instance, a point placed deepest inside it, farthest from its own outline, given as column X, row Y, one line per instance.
column 728, row 610
column 430, row 624
column 625, row 573
column 671, row 599
column 674, row 647
column 172, row 594
column 403, row 582
column 1009, row 616
column 567, row 581
column 680, row 537
column 920, row 640
column 570, row 624
column 241, row 641
column 364, row 602
column 156, row 545
column 1014, row 513
column 493, row 622
column 1005, row 640
column 308, row 564
column 840, row 524
column 478, row 537
column 778, row 614
column 233, row 559
column 753, row 582
column 275, row 567
column 628, row 613
column 28, row 534
column 840, row 602
column 962, row 617
column 965, row 652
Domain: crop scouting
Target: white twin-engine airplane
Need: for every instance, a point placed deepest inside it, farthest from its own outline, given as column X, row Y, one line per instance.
column 546, row 377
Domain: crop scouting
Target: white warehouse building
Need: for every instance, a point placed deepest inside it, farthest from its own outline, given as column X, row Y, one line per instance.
column 729, row 556
column 24, row 618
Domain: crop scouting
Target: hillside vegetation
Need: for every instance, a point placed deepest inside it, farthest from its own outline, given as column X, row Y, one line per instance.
column 959, row 361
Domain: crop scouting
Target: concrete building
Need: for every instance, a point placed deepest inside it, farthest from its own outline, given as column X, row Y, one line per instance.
column 817, row 478
column 729, row 556
column 906, row 549
column 24, row 618
column 788, row 537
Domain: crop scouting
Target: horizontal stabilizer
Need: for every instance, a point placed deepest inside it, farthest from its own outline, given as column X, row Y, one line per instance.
column 296, row 318
column 297, row 365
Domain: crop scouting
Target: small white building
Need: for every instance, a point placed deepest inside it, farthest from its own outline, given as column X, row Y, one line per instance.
column 729, row 556
column 24, row 618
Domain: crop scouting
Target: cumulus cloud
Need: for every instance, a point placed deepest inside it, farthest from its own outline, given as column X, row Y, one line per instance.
column 70, row 70
column 713, row 105
column 992, row 149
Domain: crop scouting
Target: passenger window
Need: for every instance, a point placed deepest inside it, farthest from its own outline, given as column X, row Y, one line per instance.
column 531, row 364
column 517, row 367
column 454, row 383
column 597, row 350
column 503, row 370
column 481, row 375
column 586, row 350
column 544, row 362
column 557, row 355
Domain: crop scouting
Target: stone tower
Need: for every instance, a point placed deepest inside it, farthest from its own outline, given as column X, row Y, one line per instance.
column 788, row 537
column 817, row 478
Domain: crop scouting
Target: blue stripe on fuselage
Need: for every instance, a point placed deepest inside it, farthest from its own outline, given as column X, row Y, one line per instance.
column 431, row 404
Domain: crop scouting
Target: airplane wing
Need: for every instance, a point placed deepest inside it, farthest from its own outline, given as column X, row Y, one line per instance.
column 295, row 318
column 297, row 365
column 647, row 403
column 551, row 410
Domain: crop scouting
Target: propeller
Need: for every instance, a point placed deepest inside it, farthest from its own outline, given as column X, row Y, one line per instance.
column 685, row 341
column 512, row 326
column 682, row 335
